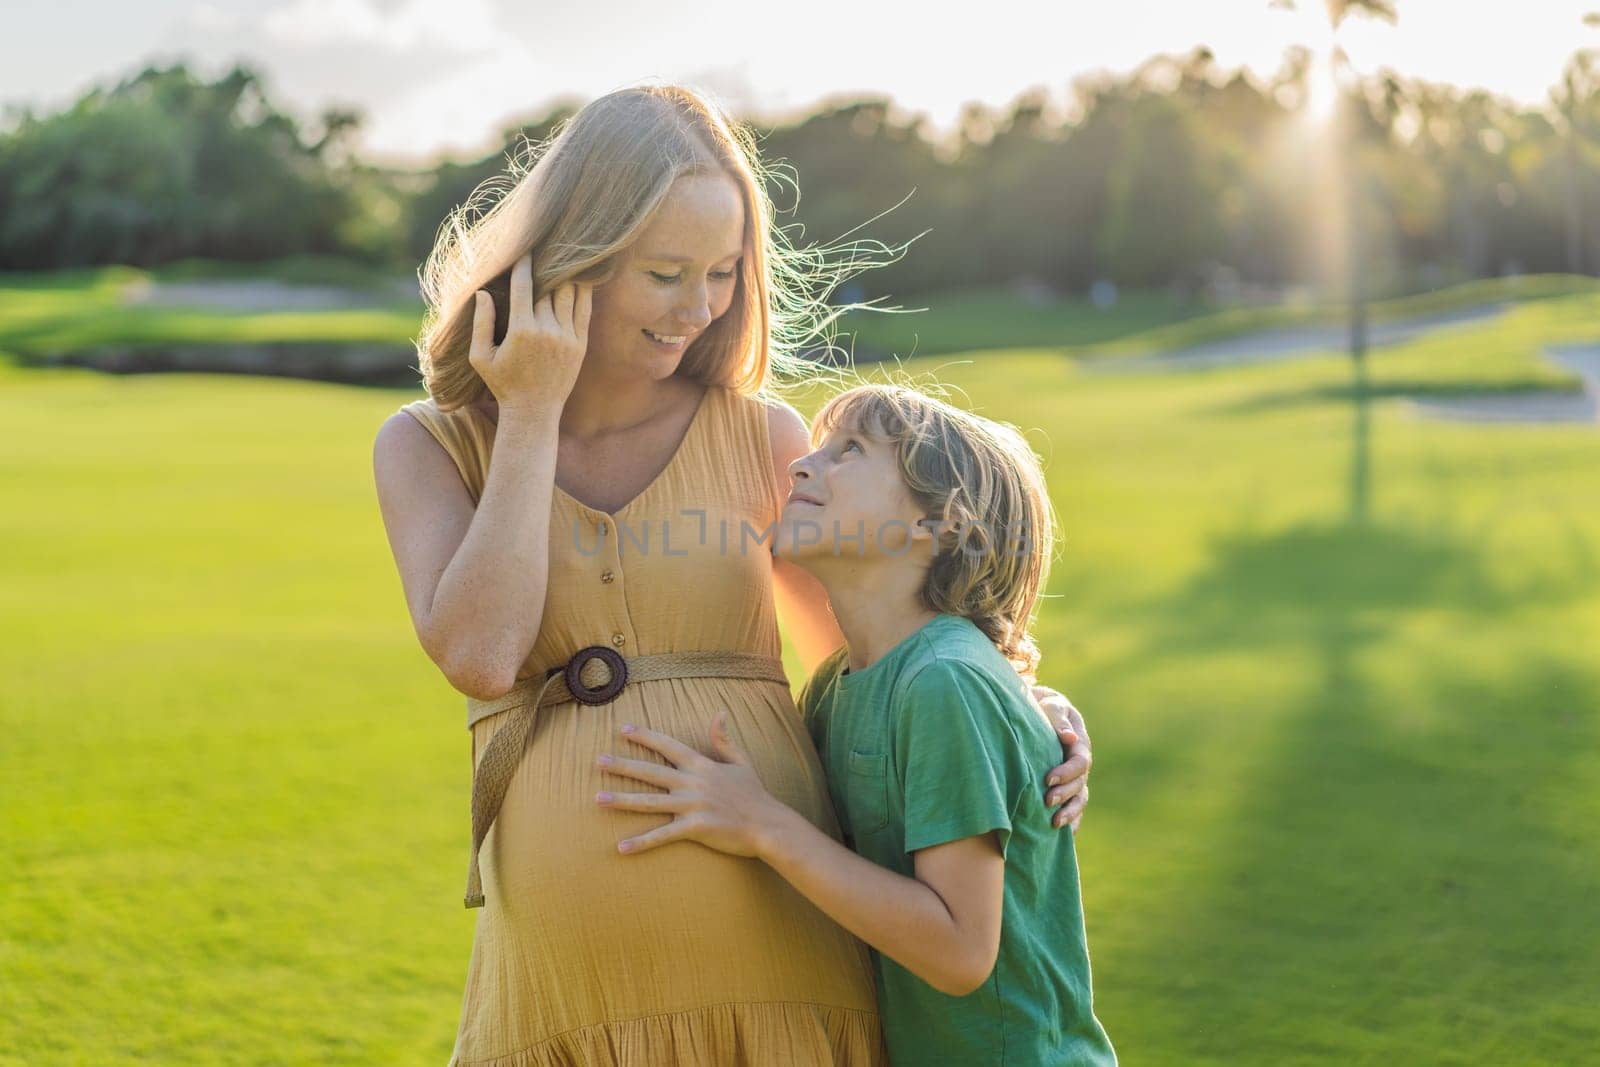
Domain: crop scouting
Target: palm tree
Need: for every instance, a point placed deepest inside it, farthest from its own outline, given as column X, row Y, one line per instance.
column 1347, row 149
column 1577, row 128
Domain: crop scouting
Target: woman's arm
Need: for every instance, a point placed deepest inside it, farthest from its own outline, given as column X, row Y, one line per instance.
column 802, row 603
column 943, row 925
column 471, row 572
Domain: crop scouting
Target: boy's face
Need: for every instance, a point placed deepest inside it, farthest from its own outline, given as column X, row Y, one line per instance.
column 848, row 502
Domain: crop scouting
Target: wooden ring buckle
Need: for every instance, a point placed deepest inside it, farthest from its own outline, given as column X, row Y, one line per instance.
column 604, row 694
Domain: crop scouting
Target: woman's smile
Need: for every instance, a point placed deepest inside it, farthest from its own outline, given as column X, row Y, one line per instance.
column 669, row 342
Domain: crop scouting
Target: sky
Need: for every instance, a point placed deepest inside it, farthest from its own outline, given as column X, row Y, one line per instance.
column 439, row 77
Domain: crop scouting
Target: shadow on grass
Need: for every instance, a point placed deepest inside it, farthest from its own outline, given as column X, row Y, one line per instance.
column 1390, row 882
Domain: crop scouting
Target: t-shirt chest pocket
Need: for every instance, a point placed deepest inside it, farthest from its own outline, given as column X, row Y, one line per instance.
column 867, row 791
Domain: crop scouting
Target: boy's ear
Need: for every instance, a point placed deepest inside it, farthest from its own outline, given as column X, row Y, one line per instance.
column 927, row 528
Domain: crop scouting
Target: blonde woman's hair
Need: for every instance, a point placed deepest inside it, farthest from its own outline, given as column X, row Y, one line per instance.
column 581, row 198
column 982, row 480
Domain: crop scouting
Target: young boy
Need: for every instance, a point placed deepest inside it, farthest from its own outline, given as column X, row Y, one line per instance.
column 931, row 531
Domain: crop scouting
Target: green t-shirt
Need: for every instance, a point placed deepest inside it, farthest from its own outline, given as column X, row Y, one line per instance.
column 935, row 742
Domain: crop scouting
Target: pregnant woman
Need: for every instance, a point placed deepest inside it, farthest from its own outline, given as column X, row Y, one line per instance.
column 581, row 513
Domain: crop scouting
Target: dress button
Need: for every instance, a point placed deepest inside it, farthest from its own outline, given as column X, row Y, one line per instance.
column 619, row 640
column 601, row 527
column 606, row 576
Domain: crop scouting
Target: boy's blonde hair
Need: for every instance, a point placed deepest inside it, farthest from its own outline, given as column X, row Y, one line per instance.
column 983, row 482
column 581, row 198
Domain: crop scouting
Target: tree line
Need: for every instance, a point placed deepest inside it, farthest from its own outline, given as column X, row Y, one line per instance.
column 1179, row 173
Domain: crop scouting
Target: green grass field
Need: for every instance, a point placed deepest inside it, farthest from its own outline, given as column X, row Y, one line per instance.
column 45, row 314
column 942, row 323
column 1346, row 801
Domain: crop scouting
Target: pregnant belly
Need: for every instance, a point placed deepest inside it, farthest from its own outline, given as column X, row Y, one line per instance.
column 676, row 926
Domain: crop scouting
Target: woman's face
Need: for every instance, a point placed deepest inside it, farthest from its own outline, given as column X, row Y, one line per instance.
column 672, row 283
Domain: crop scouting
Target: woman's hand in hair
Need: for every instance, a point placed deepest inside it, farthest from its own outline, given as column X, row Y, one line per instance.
column 536, row 366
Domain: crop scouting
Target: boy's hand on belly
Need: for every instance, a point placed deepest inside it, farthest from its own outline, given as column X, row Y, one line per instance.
column 720, row 802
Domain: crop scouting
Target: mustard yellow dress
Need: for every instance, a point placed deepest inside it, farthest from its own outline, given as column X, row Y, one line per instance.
column 678, row 955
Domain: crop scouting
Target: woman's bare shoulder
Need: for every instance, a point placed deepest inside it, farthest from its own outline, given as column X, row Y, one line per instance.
column 787, row 430
column 409, row 443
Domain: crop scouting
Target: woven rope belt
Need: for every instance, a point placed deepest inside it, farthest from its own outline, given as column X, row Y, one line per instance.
column 577, row 680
